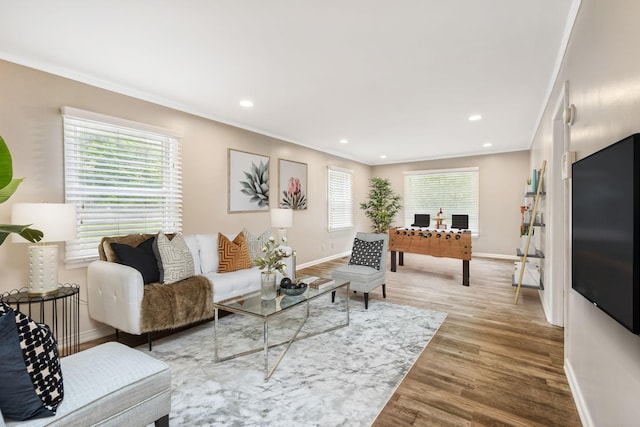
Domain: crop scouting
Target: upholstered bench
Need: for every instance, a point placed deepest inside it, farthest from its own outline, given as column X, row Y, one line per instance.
column 110, row 385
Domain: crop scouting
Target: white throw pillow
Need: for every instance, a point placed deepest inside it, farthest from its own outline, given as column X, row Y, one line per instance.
column 208, row 252
column 192, row 242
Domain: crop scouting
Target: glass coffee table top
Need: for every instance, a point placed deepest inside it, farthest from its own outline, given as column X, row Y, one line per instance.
column 252, row 304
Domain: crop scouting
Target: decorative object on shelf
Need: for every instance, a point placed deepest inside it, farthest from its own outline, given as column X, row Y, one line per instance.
column 8, row 186
column 293, row 184
column 271, row 261
column 58, row 223
column 248, row 182
column 382, row 206
column 440, row 220
column 282, row 219
column 531, row 276
column 532, row 247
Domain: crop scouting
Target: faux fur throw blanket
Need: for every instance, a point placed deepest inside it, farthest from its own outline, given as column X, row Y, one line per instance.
column 171, row 306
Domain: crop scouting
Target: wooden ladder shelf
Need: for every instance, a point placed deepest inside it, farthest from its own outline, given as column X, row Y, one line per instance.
column 530, row 232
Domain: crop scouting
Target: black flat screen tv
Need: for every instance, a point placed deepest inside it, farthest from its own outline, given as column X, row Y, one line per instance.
column 606, row 232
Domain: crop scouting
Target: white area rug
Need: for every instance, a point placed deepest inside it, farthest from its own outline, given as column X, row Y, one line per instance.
column 341, row 378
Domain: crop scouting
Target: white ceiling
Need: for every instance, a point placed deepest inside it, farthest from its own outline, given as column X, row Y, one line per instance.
column 397, row 78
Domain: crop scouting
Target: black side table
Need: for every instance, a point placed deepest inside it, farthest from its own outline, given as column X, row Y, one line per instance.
column 60, row 310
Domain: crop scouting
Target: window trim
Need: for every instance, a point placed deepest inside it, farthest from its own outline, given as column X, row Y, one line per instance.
column 344, row 225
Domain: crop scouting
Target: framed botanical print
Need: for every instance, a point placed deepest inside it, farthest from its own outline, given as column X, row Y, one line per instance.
column 293, row 184
column 248, row 182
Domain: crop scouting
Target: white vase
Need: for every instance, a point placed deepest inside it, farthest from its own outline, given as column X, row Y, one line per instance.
column 268, row 282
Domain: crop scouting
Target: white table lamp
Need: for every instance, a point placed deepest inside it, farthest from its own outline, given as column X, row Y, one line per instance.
column 281, row 219
column 57, row 221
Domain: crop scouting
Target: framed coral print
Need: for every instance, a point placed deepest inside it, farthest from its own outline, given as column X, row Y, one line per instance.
column 293, row 185
column 248, row 182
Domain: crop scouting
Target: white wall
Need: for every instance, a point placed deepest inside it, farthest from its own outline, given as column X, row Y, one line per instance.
column 602, row 67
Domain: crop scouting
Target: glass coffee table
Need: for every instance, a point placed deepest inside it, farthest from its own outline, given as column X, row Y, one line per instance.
column 252, row 305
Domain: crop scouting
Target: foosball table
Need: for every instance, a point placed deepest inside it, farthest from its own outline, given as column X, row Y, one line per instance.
column 439, row 243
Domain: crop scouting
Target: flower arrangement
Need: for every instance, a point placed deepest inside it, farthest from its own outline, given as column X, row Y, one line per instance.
column 272, row 256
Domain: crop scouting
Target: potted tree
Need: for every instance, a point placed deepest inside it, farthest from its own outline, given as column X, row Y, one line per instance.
column 8, row 186
column 382, row 206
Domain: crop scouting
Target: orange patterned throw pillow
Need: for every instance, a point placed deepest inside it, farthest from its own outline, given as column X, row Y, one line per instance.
column 233, row 255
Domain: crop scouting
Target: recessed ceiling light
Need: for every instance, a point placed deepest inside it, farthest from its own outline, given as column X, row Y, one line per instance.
column 344, row 141
column 487, row 144
column 246, row 103
column 384, row 156
column 475, row 117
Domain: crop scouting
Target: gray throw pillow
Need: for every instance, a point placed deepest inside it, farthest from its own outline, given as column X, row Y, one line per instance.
column 175, row 260
column 255, row 243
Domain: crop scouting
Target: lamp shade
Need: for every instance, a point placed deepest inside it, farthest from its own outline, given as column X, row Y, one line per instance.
column 57, row 221
column 281, row 218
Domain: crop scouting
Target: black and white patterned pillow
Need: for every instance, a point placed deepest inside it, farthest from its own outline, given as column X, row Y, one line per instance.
column 30, row 359
column 366, row 253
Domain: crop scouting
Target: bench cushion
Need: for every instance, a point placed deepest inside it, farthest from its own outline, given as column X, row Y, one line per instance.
column 110, row 384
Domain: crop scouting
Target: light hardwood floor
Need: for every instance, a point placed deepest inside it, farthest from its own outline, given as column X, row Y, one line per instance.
column 491, row 363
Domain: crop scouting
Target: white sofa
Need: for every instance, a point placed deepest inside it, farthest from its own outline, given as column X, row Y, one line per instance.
column 116, row 291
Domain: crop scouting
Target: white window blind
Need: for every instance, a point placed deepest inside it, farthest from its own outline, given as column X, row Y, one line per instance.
column 453, row 190
column 340, row 196
column 124, row 177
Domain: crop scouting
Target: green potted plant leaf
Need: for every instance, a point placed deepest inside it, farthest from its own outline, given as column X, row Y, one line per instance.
column 382, row 206
column 8, row 186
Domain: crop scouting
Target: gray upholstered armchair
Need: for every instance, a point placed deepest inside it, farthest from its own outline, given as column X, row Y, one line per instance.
column 367, row 267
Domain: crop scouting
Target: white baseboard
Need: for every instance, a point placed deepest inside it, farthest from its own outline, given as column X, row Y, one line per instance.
column 321, row 260
column 343, row 254
column 581, row 405
column 96, row 333
column 495, row 256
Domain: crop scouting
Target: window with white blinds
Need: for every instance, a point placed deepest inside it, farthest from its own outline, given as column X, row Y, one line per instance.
column 124, row 177
column 456, row 191
column 340, row 197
